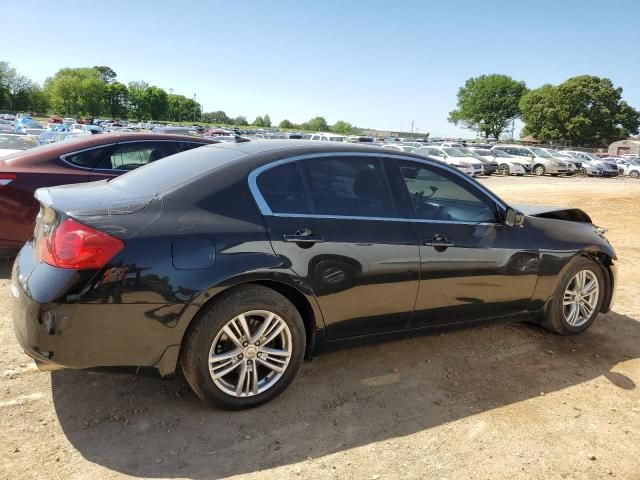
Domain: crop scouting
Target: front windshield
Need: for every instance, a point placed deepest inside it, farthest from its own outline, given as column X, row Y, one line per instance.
column 336, row 139
column 17, row 142
column 454, row 152
column 591, row 156
column 541, row 153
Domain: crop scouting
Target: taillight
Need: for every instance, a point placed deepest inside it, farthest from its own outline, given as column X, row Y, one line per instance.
column 6, row 179
column 76, row 246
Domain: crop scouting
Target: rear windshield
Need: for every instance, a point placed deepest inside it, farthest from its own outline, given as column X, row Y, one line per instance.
column 163, row 175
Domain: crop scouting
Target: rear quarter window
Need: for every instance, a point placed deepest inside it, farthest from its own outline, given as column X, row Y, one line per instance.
column 158, row 177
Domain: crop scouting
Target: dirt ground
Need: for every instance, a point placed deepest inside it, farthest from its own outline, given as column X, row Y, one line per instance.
column 502, row 401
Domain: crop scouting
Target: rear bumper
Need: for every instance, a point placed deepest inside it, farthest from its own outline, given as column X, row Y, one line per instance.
column 60, row 333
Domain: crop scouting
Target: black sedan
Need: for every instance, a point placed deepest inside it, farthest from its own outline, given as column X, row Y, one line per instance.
column 235, row 261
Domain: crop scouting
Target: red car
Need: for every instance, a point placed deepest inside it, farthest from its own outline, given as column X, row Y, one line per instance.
column 94, row 157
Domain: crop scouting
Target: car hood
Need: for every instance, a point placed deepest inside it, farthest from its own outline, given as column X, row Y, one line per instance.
column 557, row 213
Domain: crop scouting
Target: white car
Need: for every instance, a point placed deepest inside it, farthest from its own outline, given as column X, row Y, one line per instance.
column 327, row 137
column 507, row 164
column 400, row 148
column 630, row 166
column 609, row 168
column 454, row 157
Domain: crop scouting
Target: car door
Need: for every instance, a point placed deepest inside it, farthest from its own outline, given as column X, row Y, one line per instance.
column 472, row 265
column 332, row 218
column 126, row 156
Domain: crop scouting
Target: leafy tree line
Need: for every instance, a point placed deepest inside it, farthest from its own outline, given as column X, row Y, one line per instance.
column 586, row 110
column 96, row 92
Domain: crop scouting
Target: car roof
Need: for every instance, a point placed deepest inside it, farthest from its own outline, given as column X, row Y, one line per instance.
column 265, row 151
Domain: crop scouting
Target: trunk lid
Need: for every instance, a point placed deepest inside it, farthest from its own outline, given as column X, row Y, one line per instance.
column 93, row 198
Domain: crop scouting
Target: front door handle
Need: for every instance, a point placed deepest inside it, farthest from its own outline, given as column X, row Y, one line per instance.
column 439, row 240
column 304, row 235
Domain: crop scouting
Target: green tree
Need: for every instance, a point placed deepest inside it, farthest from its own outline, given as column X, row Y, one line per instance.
column 259, row 122
column 286, row 124
column 488, row 104
column 116, row 99
column 240, row 121
column 4, row 89
column 586, row 110
column 267, row 120
column 318, row 124
column 156, row 101
column 107, row 75
column 217, row 117
column 77, row 91
column 342, row 127
column 138, row 99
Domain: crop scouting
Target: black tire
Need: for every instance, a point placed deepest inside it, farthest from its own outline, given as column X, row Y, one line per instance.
column 634, row 174
column 554, row 318
column 539, row 170
column 208, row 323
column 504, row 169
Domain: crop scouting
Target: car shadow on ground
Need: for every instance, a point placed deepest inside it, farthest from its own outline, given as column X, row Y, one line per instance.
column 150, row 427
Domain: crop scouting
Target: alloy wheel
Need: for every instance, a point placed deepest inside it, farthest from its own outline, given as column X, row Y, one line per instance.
column 634, row 174
column 503, row 169
column 580, row 298
column 539, row 170
column 250, row 353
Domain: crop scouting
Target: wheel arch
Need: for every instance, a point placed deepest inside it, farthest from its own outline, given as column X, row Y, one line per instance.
column 293, row 289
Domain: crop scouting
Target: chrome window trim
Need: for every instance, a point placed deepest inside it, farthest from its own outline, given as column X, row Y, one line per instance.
column 264, row 208
column 73, row 165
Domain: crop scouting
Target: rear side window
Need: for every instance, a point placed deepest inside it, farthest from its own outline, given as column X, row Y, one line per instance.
column 283, row 189
column 88, row 158
column 348, row 186
column 131, row 155
column 190, row 145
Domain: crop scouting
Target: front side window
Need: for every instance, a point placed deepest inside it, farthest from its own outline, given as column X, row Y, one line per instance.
column 128, row 156
column 435, row 195
column 348, row 186
column 283, row 189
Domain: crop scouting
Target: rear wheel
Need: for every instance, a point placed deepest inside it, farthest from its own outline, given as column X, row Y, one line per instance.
column 244, row 349
column 503, row 169
column 634, row 174
column 539, row 170
column 577, row 299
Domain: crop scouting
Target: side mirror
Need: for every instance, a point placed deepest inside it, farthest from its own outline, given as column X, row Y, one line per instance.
column 514, row 218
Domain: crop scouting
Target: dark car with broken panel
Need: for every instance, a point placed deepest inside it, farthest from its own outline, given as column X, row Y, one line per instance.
column 234, row 262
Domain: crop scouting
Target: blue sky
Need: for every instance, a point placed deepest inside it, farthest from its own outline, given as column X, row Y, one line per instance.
column 374, row 63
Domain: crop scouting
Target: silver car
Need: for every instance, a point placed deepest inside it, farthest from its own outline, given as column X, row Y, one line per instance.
column 536, row 160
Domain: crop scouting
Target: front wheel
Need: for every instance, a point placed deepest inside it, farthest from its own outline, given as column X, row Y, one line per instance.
column 539, row 170
column 577, row 299
column 244, row 349
column 503, row 169
column 634, row 174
